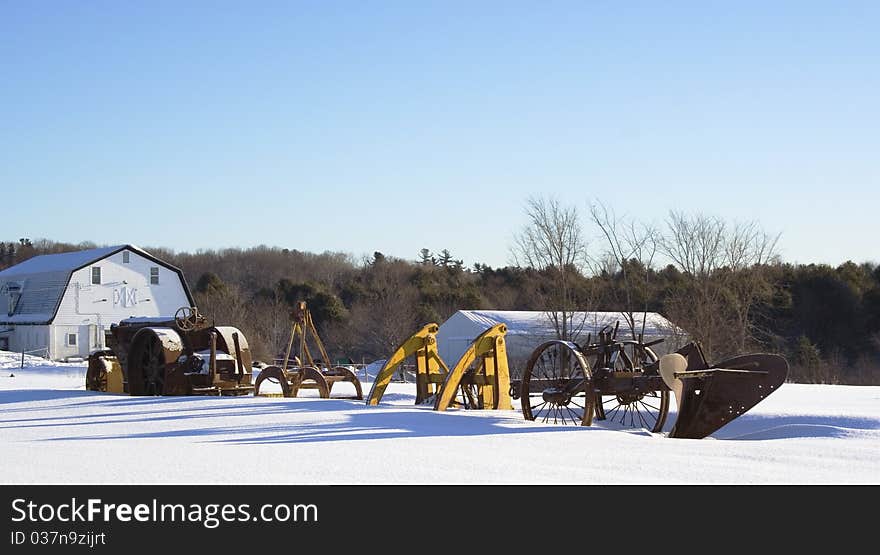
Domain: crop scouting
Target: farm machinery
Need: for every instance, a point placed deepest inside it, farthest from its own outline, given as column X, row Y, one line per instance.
column 479, row 380
column 624, row 381
column 183, row 355
column 303, row 370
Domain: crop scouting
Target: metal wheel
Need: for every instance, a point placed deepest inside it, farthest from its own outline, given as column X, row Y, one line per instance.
column 557, row 385
column 275, row 375
column 96, row 374
column 310, row 377
column 634, row 409
column 147, row 367
column 347, row 376
column 186, row 318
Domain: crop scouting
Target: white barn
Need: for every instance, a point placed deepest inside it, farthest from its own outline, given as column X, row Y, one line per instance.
column 528, row 329
column 60, row 304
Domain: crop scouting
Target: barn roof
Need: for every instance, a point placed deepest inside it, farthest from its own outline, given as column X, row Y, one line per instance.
column 527, row 329
column 43, row 279
column 61, row 262
column 529, row 322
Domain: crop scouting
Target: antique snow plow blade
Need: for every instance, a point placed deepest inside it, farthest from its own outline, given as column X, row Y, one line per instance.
column 626, row 383
column 182, row 355
column 306, row 372
column 431, row 371
column 481, row 378
column 710, row 397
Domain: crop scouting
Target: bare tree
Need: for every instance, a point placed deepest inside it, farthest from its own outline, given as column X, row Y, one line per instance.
column 552, row 242
column 747, row 251
column 723, row 266
column 384, row 320
column 631, row 251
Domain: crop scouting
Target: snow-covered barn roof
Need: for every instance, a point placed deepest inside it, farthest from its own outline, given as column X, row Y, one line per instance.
column 541, row 323
column 43, row 279
column 527, row 329
column 60, row 262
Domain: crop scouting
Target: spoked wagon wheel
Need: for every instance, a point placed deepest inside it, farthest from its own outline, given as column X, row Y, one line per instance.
column 147, row 366
column 635, row 409
column 557, row 385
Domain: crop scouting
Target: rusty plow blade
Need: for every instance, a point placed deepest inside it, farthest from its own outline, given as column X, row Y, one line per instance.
column 710, row 398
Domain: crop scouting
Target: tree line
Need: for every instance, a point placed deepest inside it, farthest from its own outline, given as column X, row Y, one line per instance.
column 721, row 282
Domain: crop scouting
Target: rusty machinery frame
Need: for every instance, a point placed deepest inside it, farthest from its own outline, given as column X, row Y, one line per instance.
column 183, row 355
column 625, row 382
column 306, row 372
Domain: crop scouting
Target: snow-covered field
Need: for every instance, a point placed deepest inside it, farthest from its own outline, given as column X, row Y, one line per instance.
column 53, row 431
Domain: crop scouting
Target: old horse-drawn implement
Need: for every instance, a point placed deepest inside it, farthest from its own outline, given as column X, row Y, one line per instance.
column 302, row 370
column 624, row 381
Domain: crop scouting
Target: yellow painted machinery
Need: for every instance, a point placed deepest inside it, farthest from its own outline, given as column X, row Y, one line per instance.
column 479, row 380
column 431, row 371
column 303, row 370
column 104, row 373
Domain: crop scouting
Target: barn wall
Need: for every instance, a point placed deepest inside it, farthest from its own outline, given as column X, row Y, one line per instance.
column 125, row 290
column 29, row 338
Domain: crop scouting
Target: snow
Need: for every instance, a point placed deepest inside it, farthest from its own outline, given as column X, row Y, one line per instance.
column 146, row 320
column 30, row 318
column 169, row 338
column 53, row 431
column 204, row 358
column 531, row 322
column 66, row 261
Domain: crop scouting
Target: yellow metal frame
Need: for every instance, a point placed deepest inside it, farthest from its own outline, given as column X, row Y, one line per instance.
column 487, row 355
column 483, row 368
column 114, row 375
column 431, row 371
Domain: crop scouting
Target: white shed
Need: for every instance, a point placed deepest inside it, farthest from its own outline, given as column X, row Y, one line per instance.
column 528, row 329
column 60, row 304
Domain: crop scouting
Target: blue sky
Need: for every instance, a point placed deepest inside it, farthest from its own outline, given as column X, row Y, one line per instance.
column 392, row 126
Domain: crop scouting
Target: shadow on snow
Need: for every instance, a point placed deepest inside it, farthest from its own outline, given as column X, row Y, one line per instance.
column 358, row 421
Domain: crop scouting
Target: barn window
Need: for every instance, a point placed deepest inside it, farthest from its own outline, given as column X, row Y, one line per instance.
column 96, row 275
column 14, row 291
column 71, row 340
column 126, row 257
column 154, row 275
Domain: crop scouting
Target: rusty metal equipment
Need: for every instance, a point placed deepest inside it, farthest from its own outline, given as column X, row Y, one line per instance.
column 183, row 355
column 479, row 380
column 624, row 381
column 304, row 371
